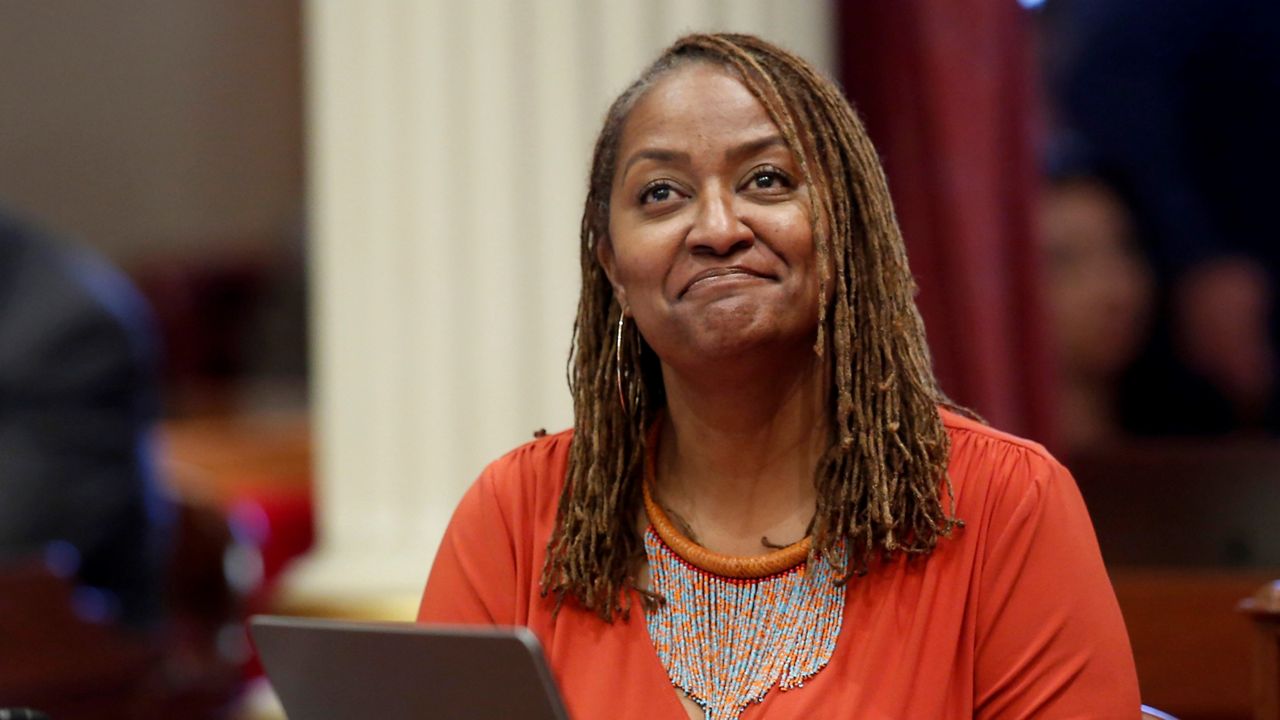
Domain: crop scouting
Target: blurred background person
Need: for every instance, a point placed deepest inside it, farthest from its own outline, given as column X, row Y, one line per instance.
column 1099, row 295
column 167, row 137
column 78, row 405
column 1171, row 430
column 1180, row 100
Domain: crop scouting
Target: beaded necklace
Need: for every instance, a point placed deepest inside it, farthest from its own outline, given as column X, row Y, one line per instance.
column 734, row 627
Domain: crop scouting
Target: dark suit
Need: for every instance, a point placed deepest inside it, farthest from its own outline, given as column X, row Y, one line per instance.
column 77, row 405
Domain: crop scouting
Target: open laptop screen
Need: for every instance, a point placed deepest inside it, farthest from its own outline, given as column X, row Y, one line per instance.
column 327, row 669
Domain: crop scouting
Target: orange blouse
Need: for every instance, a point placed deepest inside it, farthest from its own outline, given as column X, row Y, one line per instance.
column 1011, row 617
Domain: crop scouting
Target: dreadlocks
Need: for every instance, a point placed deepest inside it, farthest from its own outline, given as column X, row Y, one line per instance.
column 880, row 482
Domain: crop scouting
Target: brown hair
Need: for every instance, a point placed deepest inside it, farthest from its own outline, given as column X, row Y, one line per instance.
column 880, row 482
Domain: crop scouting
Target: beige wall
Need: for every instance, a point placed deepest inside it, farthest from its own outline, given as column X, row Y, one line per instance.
column 153, row 126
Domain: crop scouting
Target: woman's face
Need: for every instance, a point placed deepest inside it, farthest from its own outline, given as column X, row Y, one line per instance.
column 710, row 245
column 1099, row 287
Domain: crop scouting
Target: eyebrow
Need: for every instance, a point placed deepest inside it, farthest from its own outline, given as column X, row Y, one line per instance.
column 658, row 154
column 748, row 148
column 751, row 147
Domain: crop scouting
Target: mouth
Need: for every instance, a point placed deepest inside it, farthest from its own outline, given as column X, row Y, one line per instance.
column 711, row 275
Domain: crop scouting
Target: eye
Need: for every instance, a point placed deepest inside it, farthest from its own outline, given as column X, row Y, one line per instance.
column 765, row 180
column 769, row 179
column 657, row 192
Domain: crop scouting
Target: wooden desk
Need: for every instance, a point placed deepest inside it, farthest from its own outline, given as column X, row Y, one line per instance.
column 213, row 460
column 1193, row 649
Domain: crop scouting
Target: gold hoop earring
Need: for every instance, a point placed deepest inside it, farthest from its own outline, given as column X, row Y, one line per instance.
column 617, row 366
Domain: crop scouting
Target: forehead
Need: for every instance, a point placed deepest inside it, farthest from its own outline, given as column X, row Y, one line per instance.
column 698, row 104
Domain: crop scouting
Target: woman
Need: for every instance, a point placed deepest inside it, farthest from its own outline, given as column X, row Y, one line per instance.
column 762, row 511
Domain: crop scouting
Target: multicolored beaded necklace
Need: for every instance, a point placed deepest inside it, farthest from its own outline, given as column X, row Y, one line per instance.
column 733, row 627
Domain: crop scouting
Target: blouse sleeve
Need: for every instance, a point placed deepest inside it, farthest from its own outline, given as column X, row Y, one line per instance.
column 1051, row 642
column 473, row 579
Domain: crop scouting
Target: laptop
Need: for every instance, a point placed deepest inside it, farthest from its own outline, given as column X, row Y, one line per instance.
column 333, row 670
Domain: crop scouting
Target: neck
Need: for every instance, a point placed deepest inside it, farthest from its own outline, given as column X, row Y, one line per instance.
column 737, row 456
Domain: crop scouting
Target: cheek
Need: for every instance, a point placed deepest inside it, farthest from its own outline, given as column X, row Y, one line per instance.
column 633, row 270
column 792, row 233
column 800, row 253
column 641, row 259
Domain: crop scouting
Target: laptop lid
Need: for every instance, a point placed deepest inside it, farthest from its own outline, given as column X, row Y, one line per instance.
column 330, row 670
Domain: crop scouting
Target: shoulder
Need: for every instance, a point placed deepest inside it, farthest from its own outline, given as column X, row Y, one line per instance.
column 977, row 443
column 988, row 467
column 488, row 565
column 511, row 507
column 1040, row 646
column 541, row 461
column 71, row 320
column 966, row 432
column 60, row 279
column 527, row 480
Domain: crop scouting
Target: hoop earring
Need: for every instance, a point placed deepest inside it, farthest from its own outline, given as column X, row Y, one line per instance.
column 617, row 366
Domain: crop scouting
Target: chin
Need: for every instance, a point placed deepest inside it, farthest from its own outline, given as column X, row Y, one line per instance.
column 734, row 337
column 729, row 328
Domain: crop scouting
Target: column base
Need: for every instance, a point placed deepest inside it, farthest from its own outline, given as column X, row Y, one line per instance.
column 354, row 585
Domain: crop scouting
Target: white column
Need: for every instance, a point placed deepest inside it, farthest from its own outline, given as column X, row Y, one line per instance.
column 449, row 144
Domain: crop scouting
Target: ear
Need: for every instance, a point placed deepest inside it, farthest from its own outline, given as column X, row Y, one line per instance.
column 605, row 256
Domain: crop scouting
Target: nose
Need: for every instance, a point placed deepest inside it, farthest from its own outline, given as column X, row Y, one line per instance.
column 718, row 229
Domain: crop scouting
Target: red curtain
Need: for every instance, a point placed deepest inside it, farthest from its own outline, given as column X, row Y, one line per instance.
column 946, row 91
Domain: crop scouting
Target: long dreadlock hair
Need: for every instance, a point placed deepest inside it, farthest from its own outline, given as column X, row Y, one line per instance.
column 881, row 482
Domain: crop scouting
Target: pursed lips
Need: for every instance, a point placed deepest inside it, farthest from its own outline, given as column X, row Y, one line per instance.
column 719, row 272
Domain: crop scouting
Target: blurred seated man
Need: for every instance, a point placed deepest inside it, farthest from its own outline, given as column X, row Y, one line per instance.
column 77, row 403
